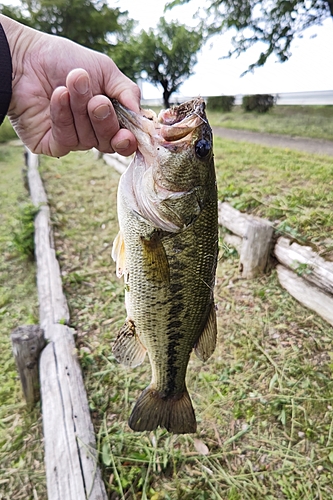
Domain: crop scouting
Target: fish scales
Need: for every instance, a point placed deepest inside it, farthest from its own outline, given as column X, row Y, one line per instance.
column 169, row 273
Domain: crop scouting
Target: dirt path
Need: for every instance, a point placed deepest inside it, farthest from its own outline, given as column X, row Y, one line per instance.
column 314, row 146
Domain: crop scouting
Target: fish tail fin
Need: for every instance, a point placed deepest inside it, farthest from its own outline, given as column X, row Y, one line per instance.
column 174, row 413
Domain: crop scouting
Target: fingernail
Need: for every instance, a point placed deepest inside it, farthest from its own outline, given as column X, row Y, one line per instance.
column 82, row 84
column 102, row 111
column 122, row 144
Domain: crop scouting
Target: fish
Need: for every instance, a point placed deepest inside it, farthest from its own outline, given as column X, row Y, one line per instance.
column 167, row 250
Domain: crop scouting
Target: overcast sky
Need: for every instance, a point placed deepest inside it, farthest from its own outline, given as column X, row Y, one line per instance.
column 309, row 68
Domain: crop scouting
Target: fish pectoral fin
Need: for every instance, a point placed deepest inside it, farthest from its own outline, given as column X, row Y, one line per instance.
column 127, row 348
column 206, row 344
column 155, row 260
column 174, row 413
column 118, row 254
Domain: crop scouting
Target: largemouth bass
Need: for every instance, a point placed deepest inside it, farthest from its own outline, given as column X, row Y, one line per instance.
column 167, row 250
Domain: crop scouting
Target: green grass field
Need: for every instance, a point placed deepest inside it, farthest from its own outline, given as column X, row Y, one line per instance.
column 263, row 401
column 303, row 121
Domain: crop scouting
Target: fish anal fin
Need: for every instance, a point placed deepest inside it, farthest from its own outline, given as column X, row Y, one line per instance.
column 206, row 344
column 118, row 254
column 155, row 259
column 174, row 413
column 127, row 348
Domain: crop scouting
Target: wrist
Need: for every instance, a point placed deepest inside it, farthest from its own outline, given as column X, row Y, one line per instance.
column 19, row 38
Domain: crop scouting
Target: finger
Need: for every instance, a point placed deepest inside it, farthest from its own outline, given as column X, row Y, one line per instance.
column 106, row 127
column 124, row 142
column 104, row 122
column 124, row 90
column 63, row 137
column 79, row 87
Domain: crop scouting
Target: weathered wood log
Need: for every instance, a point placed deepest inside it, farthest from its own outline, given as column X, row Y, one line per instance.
column 27, row 343
column 234, row 241
column 53, row 306
column 232, row 219
column 255, row 249
column 304, row 261
column 37, row 191
column 308, row 295
column 118, row 162
column 70, row 449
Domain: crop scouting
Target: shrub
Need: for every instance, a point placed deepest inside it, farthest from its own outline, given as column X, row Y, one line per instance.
column 221, row 102
column 258, row 102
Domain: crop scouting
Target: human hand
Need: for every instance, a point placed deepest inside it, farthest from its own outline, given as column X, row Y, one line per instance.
column 59, row 101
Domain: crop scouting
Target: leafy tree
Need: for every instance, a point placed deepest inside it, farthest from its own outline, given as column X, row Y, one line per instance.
column 167, row 55
column 88, row 22
column 125, row 55
column 276, row 23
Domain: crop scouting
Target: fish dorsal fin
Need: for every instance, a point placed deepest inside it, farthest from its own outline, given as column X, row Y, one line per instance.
column 118, row 254
column 155, row 259
column 127, row 348
column 206, row 344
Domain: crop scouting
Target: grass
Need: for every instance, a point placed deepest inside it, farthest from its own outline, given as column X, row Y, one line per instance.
column 7, row 132
column 263, row 401
column 303, row 121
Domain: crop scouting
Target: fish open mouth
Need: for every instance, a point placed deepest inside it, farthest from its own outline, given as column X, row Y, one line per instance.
column 179, row 121
column 178, row 113
column 170, row 125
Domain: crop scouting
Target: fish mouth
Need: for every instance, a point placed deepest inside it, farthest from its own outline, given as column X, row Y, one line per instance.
column 169, row 126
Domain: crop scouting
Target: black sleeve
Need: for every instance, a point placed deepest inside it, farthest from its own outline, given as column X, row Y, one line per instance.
column 5, row 75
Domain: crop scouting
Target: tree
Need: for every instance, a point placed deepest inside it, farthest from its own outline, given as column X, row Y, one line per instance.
column 125, row 55
column 168, row 55
column 88, row 22
column 276, row 23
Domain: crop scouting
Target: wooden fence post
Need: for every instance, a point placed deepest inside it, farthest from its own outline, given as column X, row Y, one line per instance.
column 27, row 343
column 253, row 240
column 255, row 248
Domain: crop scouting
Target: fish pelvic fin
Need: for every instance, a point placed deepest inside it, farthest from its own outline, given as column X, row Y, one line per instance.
column 206, row 344
column 127, row 348
column 174, row 413
column 118, row 254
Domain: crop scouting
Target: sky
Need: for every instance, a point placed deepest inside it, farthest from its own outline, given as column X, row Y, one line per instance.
column 310, row 67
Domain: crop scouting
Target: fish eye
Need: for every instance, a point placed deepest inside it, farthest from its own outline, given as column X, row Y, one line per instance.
column 202, row 148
